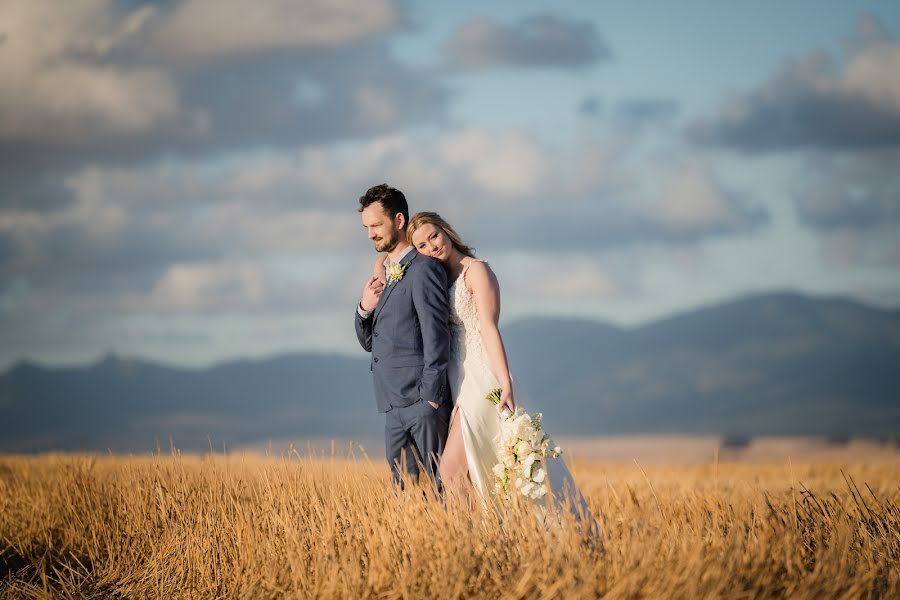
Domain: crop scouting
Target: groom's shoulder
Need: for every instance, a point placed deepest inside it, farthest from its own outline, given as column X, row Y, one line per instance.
column 428, row 265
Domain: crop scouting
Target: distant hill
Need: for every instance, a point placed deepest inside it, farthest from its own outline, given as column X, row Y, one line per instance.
column 130, row 405
column 774, row 364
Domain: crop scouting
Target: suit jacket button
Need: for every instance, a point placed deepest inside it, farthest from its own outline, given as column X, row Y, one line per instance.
column 376, row 334
column 376, row 359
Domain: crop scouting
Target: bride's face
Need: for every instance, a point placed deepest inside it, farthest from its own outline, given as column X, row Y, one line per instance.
column 432, row 241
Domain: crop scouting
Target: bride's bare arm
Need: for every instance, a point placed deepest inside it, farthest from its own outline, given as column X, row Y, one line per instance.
column 486, row 290
column 378, row 269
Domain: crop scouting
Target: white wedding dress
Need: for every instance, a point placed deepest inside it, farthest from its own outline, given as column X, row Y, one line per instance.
column 471, row 378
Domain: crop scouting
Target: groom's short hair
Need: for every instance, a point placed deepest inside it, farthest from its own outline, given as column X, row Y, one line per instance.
column 391, row 199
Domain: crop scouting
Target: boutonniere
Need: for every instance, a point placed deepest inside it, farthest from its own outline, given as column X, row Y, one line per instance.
column 395, row 272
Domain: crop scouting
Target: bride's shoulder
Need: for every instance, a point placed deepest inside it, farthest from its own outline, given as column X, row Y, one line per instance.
column 476, row 264
column 477, row 272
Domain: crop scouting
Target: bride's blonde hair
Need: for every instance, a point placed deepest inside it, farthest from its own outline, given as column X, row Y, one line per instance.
column 432, row 218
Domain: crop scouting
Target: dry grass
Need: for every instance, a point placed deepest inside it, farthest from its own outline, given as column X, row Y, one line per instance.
column 247, row 526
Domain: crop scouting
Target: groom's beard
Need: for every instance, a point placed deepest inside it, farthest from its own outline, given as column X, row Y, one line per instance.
column 388, row 244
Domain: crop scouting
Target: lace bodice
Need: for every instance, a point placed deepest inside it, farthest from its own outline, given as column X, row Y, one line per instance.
column 465, row 328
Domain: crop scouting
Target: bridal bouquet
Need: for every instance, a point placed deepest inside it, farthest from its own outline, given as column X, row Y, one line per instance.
column 523, row 446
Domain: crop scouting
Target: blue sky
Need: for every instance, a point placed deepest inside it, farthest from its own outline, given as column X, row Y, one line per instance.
column 178, row 180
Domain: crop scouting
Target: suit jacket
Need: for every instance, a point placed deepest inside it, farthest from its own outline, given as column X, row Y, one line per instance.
column 408, row 336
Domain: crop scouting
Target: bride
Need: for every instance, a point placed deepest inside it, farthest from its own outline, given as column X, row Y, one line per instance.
column 477, row 365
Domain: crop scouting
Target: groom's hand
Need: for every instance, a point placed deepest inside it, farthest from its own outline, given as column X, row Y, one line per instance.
column 371, row 294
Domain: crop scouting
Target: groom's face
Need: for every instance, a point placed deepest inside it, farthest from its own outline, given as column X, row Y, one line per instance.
column 384, row 231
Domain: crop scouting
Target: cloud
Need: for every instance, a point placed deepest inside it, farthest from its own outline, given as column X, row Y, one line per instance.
column 538, row 41
column 199, row 30
column 59, row 87
column 277, row 236
column 573, row 278
column 878, row 246
column 599, row 202
column 505, row 166
column 108, row 237
column 639, row 112
column 869, row 32
column 256, row 285
column 41, row 191
column 852, row 202
column 850, row 191
column 202, row 287
column 694, row 201
column 94, row 81
column 845, row 119
column 163, row 233
column 818, row 103
column 633, row 114
column 508, row 192
column 543, row 199
column 590, row 106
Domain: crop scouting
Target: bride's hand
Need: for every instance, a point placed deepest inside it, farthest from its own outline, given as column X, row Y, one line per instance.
column 379, row 269
column 506, row 401
column 371, row 294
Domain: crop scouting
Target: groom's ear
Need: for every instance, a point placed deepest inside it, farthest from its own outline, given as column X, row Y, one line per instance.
column 399, row 221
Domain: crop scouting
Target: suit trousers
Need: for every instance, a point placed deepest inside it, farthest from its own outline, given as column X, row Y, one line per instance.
column 414, row 437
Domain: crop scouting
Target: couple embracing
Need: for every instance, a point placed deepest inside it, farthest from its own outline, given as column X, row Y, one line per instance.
column 429, row 316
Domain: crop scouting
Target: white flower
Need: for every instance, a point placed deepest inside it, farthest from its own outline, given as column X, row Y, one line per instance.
column 526, row 472
column 523, row 448
column 395, row 272
column 522, row 426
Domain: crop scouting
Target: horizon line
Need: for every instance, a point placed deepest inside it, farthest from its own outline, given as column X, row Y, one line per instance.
column 112, row 354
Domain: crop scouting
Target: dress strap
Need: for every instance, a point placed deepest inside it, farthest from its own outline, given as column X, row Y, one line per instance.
column 469, row 264
column 462, row 274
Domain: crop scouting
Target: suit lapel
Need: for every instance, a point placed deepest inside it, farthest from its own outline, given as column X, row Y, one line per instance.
column 387, row 292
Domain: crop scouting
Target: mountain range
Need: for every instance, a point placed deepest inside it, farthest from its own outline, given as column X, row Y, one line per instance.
column 770, row 364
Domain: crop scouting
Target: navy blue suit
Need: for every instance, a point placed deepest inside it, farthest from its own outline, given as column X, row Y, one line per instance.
column 408, row 336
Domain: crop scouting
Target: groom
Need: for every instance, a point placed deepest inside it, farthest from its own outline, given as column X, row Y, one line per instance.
column 404, row 324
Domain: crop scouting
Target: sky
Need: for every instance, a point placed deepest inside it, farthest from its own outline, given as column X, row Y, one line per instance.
column 179, row 179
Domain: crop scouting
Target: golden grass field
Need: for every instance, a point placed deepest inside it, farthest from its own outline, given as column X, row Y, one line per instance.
column 250, row 526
